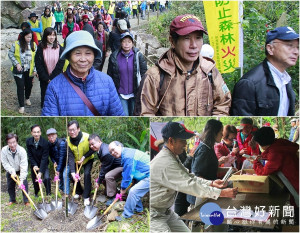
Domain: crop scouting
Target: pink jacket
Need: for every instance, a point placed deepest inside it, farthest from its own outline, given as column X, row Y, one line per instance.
column 65, row 30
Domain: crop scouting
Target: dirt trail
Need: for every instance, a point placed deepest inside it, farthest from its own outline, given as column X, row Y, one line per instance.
column 20, row 218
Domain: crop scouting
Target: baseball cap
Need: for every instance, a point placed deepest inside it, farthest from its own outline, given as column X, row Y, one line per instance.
column 122, row 24
column 126, row 34
column 185, row 24
column 51, row 131
column 176, row 130
column 282, row 33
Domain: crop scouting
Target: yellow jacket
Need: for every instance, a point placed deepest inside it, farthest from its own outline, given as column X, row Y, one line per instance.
column 17, row 56
column 82, row 148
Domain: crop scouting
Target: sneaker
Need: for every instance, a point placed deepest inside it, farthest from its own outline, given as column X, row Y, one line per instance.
column 27, row 102
column 86, row 201
column 21, row 110
column 11, row 203
column 76, row 196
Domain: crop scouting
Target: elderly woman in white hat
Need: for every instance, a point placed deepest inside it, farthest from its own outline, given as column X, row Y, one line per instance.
column 81, row 90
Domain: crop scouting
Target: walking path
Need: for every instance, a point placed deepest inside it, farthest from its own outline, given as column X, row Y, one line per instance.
column 9, row 102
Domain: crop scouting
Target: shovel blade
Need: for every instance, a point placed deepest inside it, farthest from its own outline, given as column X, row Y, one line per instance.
column 56, row 205
column 40, row 213
column 94, row 223
column 90, row 211
column 45, row 207
column 72, row 208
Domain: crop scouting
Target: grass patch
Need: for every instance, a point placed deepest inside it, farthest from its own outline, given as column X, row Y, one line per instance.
column 4, row 222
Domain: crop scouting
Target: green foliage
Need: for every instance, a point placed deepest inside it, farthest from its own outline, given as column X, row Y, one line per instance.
column 258, row 18
column 198, row 123
column 141, row 142
column 108, row 128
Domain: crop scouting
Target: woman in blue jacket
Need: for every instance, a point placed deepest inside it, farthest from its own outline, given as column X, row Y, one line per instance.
column 126, row 67
column 62, row 95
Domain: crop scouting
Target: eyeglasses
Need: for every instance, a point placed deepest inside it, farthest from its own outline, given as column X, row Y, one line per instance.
column 290, row 46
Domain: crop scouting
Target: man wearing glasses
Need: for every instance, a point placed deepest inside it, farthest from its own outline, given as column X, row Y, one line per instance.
column 80, row 152
column 266, row 90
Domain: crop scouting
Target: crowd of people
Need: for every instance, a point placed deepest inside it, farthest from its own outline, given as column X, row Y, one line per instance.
column 181, row 83
column 195, row 172
column 104, row 33
column 131, row 166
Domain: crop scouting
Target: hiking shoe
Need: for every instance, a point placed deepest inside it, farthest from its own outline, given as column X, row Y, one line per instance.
column 76, row 196
column 21, row 110
column 27, row 102
column 86, row 201
column 108, row 203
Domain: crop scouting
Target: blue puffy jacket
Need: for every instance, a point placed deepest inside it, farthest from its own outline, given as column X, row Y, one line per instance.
column 62, row 100
column 136, row 165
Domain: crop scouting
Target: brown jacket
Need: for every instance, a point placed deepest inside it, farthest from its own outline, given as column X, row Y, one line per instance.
column 183, row 94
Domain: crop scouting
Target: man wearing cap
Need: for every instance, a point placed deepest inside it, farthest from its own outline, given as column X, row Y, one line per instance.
column 266, row 90
column 135, row 166
column 293, row 129
column 183, row 83
column 36, row 25
column 115, row 35
column 81, row 90
column 171, row 177
column 57, row 152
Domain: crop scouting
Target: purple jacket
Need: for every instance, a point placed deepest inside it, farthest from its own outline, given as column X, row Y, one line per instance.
column 125, row 62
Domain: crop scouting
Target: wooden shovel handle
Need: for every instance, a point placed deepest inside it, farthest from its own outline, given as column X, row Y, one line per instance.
column 40, row 186
column 114, row 202
column 111, row 205
column 78, row 169
column 74, row 188
column 17, row 180
column 94, row 197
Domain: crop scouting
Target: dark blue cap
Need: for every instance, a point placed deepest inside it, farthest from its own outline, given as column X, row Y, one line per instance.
column 126, row 34
column 282, row 33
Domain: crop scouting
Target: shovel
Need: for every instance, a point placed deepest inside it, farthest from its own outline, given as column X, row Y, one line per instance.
column 40, row 213
column 90, row 210
column 96, row 221
column 56, row 205
column 72, row 207
column 45, row 206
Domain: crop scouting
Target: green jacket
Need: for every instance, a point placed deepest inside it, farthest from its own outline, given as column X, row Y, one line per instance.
column 59, row 16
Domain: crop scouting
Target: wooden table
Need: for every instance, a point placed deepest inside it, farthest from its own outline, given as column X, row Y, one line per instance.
column 277, row 198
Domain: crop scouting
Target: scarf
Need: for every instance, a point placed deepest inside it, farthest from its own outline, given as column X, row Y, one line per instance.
column 75, row 141
column 71, row 26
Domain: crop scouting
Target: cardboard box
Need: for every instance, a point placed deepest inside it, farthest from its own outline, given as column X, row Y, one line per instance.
column 250, row 183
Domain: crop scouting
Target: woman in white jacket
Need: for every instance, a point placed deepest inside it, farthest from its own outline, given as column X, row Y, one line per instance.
column 14, row 161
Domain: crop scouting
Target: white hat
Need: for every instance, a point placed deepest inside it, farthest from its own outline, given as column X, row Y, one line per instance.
column 77, row 39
